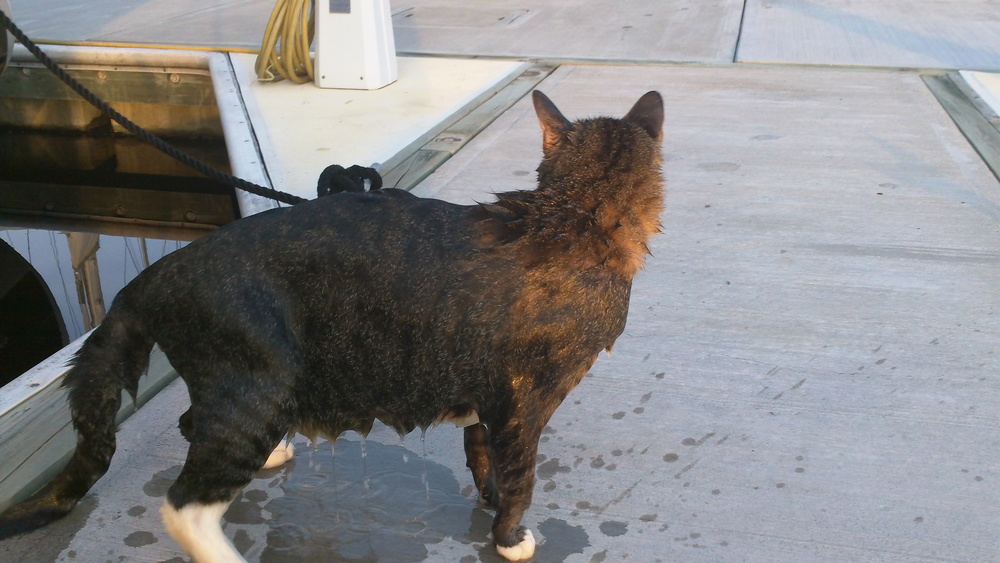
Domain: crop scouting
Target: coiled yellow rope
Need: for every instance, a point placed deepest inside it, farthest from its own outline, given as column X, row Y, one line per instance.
column 285, row 48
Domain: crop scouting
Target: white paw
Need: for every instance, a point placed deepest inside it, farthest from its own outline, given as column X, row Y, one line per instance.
column 280, row 455
column 196, row 527
column 520, row 552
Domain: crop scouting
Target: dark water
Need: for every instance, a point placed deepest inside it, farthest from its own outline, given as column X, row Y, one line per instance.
column 88, row 211
column 119, row 259
column 69, row 282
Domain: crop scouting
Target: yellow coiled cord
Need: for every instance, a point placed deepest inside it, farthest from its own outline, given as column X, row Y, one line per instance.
column 285, row 48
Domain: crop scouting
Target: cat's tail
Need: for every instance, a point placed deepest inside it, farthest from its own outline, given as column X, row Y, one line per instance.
column 111, row 360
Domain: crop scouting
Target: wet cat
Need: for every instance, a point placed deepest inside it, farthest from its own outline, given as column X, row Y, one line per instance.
column 322, row 317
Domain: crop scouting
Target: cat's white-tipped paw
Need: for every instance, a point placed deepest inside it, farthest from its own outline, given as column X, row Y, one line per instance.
column 522, row 551
column 280, row 455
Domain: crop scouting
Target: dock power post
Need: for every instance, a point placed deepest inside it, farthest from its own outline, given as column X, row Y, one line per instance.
column 355, row 48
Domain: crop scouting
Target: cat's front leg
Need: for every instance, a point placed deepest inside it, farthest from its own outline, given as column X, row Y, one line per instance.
column 478, row 460
column 514, row 446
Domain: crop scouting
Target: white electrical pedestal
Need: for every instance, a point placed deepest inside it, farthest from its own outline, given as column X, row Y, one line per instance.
column 355, row 48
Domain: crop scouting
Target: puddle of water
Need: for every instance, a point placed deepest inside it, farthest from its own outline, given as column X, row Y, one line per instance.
column 374, row 502
column 370, row 502
column 562, row 539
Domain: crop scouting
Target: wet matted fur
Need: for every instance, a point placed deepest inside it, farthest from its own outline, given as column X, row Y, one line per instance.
column 322, row 317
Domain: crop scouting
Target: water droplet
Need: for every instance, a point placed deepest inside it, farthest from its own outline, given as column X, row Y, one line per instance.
column 423, row 457
column 364, row 466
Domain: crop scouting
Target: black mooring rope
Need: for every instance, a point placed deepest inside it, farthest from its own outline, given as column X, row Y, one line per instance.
column 141, row 133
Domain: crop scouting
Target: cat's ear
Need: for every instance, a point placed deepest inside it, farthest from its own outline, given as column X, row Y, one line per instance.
column 648, row 114
column 554, row 124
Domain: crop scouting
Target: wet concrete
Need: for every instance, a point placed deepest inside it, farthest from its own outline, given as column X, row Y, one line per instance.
column 377, row 499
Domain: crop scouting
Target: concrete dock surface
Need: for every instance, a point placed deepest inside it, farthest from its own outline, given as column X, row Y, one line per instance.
column 810, row 370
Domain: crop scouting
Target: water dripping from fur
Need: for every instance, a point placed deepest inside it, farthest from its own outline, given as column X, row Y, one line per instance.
column 423, row 458
column 364, row 464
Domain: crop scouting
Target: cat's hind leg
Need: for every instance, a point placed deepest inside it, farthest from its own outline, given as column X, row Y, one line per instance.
column 214, row 473
column 232, row 435
column 283, row 452
column 192, row 512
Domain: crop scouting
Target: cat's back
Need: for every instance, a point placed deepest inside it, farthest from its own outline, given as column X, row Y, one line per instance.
column 337, row 228
column 291, row 257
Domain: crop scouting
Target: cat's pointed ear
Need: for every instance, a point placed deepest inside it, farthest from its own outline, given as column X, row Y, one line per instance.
column 648, row 114
column 554, row 124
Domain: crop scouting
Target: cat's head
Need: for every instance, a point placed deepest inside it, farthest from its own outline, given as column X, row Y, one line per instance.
column 603, row 157
column 610, row 168
column 559, row 132
column 600, row 191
